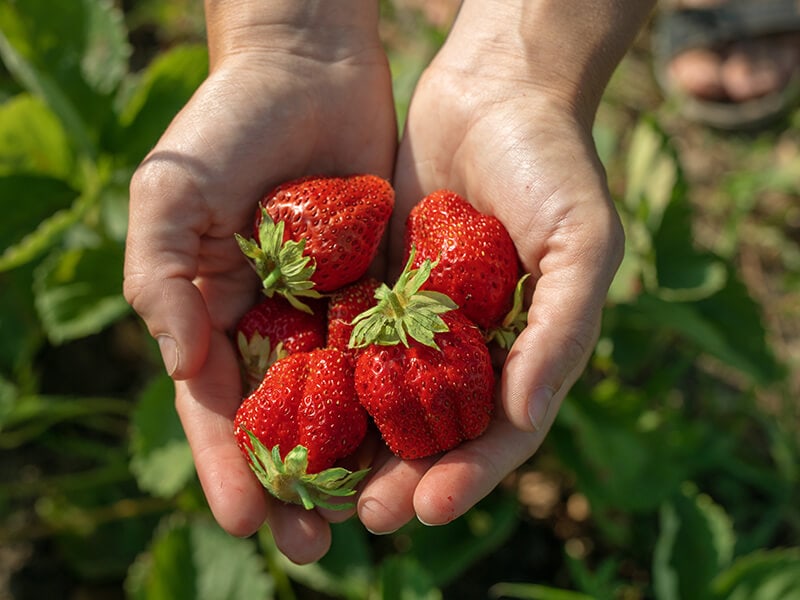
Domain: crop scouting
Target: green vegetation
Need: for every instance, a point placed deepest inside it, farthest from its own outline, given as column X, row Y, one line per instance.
column 671, row 472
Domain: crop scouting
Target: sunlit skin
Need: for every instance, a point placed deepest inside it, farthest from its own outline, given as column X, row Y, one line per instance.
column 503, row 116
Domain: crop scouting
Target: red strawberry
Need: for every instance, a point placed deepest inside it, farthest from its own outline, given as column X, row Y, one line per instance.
column 272, row 329
column 303, row 418
column 318, row 234
column 429, row 393
column 477, row 261
column 344, row 306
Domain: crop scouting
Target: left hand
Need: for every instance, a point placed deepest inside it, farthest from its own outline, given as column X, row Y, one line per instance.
column 521, row 152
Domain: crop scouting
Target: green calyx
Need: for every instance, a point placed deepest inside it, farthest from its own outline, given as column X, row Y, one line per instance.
column 514, row 322
column 282, row 267
column 287, row 479
column 403, row 311
column 258, row 354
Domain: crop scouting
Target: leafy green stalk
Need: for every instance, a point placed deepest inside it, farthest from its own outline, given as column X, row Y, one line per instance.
column 281, row 266
column 288, row 479
column 404, row 310
column 514, row 322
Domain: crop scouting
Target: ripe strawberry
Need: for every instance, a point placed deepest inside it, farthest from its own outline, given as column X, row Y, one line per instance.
column 344, row 306
column 272, row 329
column 318, row 234
column 303, row 418
column 429, row 393
column 477, row 261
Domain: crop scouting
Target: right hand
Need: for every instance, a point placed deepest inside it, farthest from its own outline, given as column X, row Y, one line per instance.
column 294, row 89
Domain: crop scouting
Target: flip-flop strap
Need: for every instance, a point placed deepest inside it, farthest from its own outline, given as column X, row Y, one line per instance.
column 707, row 27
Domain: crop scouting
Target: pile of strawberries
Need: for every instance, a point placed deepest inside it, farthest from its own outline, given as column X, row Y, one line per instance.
column 329, row 350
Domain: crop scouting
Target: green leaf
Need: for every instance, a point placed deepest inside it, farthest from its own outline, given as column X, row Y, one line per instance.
column 532, row 591
column 77, row 43
column 403, row 578
column 45, row 88
column 448, row 551
column 79, row 291
column 696, row 542
column 627, row 282
column 114, row 204
column 346, row 571
column 69, row 54
column 106, row 51
column 707, row 324
column 683, row 273
column 653, row 174
column 600, row 581
column 20, row 331
column 163, row 89
column 8, row 398
column 32, row 140
column 621, row 462
column 661, row 254
column 350, row 558
column 746, row 343
column 36, row 212
column 763, row 575
column 31, row 415
column 196, row 560
column 161, row 459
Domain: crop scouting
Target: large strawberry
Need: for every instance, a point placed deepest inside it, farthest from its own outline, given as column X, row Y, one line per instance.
column 318, row 234
column 477, row 261
column 301, row 420
column 273, row 328
column 344, row 306
column 424, row 373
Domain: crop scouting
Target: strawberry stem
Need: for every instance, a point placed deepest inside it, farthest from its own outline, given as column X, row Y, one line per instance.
column 402, row 311
column 282, row 266
column 514, row 322
column 288, row 480
column 271, row 280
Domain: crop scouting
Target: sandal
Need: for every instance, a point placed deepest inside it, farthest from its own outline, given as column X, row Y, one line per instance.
column 680, row 29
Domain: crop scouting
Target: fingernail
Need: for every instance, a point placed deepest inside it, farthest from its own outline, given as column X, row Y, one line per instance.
column 380, row 532
column 371, row 506
column 539, row 405
column 169, row 352
column 426, row 524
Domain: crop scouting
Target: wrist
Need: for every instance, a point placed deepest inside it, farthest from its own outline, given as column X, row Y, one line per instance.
column 322, row 30
column 566, row 51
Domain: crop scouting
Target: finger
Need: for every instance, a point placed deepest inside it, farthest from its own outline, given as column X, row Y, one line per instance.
column 369, row 455
column 206, row 405
column 386, row 503
column 337, row 515
column 462, row 477
column 303, row 536
column 161, row 262
column 564, row 317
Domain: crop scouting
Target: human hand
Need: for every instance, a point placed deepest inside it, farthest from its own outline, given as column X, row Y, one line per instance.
column 294, row 89
column 513, row 136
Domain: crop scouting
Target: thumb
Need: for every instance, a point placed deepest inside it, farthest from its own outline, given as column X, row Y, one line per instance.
column 160, row 266
column 563, row 326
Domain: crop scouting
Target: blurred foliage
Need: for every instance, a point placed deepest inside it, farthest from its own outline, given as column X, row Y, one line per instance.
column 671, row 472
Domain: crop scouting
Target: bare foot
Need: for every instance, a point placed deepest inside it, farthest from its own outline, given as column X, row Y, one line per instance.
column 738, row 71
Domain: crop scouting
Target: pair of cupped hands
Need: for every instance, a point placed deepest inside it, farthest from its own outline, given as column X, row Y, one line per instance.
column 288, row 103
